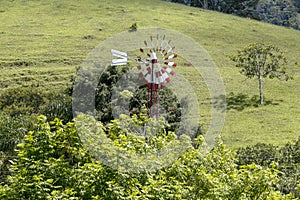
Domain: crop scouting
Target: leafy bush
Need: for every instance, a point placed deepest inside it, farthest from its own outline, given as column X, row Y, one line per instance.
column 260, row 154
column 52, row 163
column 20, row 101
column 289, row 162
column 59, row 106
column 287, row 157
column 12, row 131
column 46, row 161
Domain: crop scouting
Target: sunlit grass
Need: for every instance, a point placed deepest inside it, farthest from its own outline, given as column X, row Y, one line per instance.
column 42, row 43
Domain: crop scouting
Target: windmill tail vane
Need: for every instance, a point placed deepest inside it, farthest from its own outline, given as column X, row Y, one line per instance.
column 154, row 65
column 121, row 58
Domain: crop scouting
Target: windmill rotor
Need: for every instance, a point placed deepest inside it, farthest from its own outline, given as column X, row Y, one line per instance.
column 154, row 66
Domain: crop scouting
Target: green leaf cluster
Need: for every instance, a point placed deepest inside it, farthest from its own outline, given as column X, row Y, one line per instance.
column 258, row 59
column 53, row 163
column 286, row 157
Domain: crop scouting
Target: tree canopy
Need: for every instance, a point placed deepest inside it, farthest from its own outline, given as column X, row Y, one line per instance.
column 259, row 61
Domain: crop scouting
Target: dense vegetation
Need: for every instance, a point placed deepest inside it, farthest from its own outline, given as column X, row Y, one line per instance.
column 279, row 12
column 52, row 163
column 44, row 43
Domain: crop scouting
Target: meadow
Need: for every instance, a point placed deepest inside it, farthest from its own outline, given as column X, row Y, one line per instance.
column 42, row 44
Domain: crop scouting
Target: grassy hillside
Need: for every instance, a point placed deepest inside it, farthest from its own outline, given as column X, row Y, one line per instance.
column 42, row 43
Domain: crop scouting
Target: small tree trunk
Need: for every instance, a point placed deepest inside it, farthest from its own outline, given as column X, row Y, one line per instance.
column 261, row 100
column 205, row 6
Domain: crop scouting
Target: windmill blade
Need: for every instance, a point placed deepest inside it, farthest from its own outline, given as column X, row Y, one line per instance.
column 121, row 58
column 148, row 78
column 163, row 70
column 168, row 70
column 148, row 45
column 166, row 77
column 171, row 57
column 151, row 42
column 159, row 77
column 156, row 81
column 170, row 50
column 144, row 52
column 171, row 64
column 116, row 62
column 156, row 47
column 161, row 80
column 163, row 44
column 145, row 71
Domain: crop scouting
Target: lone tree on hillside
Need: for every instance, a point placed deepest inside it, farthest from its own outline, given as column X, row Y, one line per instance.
column 260, row 61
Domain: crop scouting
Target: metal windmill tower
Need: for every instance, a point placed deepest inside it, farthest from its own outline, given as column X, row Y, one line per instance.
column 154, row 66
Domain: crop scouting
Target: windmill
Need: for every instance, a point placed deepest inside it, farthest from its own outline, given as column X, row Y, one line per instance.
column 154, row 66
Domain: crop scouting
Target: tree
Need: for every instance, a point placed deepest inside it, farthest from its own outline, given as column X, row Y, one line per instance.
column 297, row 4
column 104, row 99
column 261, row 61
column 278, row 12
column 52, row 163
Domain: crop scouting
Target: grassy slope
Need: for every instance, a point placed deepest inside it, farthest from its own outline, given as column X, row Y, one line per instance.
column 41, row 43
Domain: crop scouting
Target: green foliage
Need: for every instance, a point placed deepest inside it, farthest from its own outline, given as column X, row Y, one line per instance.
column 168, row 102
column 104, row 91
column 289, row 162
column 12, row 130
column 53, row 164
column 244, row 8
column 103, row 98
column 279, row 12
column 31, row 100
column 46, row 161
column 261, row 61
column 287, row 158
column 59, row 106
column 260, row 154
column 18, row 101
column 297, row 4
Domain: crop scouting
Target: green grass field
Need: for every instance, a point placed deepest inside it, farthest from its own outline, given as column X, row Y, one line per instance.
column 42, row 43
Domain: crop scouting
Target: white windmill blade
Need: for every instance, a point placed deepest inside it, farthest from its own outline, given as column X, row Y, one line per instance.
column 148, row 78
column 119, row 53
column 121, row 58
column 171, row 49
column 171, row 57
column 164, row 76
column 163, row 44
column 161, row 79
column 156, row 47
column 156, row 81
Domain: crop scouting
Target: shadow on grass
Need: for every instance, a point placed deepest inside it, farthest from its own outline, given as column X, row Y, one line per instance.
column 239, row 102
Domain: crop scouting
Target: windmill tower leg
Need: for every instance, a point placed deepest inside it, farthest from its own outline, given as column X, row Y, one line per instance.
column 153, row 100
